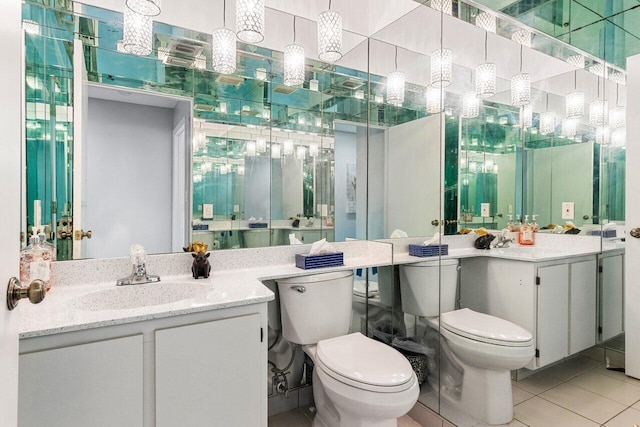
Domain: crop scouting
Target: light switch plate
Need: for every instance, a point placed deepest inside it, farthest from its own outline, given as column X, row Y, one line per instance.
column 510, row 209
column 207, row 211
column 485, row 210
column 568, row 209
column 236, row 208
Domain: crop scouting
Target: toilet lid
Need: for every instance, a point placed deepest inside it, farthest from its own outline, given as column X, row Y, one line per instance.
column 364, row 361
column 485, row 328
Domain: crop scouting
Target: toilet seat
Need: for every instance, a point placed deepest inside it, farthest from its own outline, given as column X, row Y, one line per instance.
column 485, row 328
column 365, row 364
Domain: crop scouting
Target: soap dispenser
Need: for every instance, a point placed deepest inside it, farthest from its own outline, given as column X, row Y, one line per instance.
column 517, row 225
column 526, row 235
column 45, row 244
column 35, row 263
column 534, row 224
column 510, row 225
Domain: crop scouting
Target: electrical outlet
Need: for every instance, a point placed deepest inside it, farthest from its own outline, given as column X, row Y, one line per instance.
column 207, row 211
column 236, row 208
column 568, row 210
column 485, row 210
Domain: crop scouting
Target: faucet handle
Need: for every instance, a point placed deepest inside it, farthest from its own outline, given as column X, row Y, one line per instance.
column 137, row 254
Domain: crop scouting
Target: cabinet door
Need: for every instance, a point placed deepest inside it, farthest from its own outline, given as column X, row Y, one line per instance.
column 95, row 384
column 611, row 304
column 209, row 374
column 553, row 314
column 582, row 321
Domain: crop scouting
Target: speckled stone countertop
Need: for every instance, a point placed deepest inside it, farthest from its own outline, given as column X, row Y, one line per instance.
column 84, row 294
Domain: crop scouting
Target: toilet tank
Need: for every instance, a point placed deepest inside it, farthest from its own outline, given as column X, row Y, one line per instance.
column 314, row 308
column 429, row 288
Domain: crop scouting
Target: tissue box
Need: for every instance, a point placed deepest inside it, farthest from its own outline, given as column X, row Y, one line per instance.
column 257, row 225
column 604, row 233
column 308, row 261
column 200, row 227
column 429, row 250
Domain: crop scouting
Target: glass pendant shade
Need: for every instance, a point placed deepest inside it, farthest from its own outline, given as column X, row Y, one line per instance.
column 576, row 60
column 30, row 26
column 617, row 117
column 575, row 105
column 120, row 47
column 486, row 21
column 314, row 149
column 275, row 151
column 261, row 144
column 486, row 80
column 250, row 20
column 293, row 65
column 569, row 127
column 618, row 77
column 521, row 89
column 599, row 69
column 434, row 100
column 395, row 88
column 138, row 33
column 444, row 6
column 470, row 105
column 200, row 62
column 145, row 7
column 287, row 148
column 547, row 122
column 523, row 37
column 602, row 135
column 329, row 36
column 223, row 51
column 598, row 113
column 301, row 152
column 251, row 149
column 526, row 116
column 314, row 85
column 619, row 137
column 441, row 67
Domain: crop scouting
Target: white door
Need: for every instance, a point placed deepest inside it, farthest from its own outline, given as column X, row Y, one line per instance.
column 11, row 124
column 632, row 220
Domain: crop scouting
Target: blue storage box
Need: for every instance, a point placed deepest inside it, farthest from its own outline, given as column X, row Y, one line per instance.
column 429, row 250
column 200, row 227
column 257, row 225
column 308, row 261
column 607, row 234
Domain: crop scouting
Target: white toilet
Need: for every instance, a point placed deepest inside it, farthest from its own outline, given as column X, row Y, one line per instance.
column 484, row 348
column 357, row 381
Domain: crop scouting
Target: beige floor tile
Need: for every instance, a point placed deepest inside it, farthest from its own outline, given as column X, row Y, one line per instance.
column 595, row 353
column 609, row 387
column 294, row 418
column 407, row 421
column 617, row 375
column 537, row 412
column 538, row 383
column 572, row 367
column 583, row 402
column 636, row 406
column 628, row 418
column 519, row 395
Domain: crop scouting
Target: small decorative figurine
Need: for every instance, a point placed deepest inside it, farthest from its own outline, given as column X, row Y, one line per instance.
column 201, row 266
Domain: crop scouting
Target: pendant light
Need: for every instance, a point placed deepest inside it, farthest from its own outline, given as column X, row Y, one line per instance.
column 434, row 100
column 441, row 68
column 618, row 114
column 250, row 20
column 603, row 135
column 444, row 6
column 547, row 123
column 526, row 116
column 521, row 86
column 293, row 61
column 275, row 151
column 287, row 147
column 522, row 37
column 575, row 101
column 598, row 111
column 486, row 75
column 223, row 47
column 470, row 105
column 251, row 149
column 577, row 61
column 301, row 152
column 314, row 149
column 138, row 33
column 395, row 85
column 329, row 35
column 569, row 127
column 486, row 21
column 145, row 7
column 261, row 144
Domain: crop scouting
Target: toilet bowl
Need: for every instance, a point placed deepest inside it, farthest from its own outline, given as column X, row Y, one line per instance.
column 484, row 348
column 357, row 381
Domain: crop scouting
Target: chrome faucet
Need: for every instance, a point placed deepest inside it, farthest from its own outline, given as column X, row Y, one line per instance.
column 503, row 241
column 139, row 274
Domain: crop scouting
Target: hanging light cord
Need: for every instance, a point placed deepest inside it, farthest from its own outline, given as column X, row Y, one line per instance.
column 294, row 29
column 547, row 101
column 486, row 40
column 521, row 46
column 617, row 94
column 575, row 80
column 396, row 58
column 329, row 4
column 224, row 13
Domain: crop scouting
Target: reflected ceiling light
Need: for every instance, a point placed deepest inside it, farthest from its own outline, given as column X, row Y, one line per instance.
column 261, row 144
column 441, row 67
column 569, row 127
column 261, row 73
column 378, row 99
column 145, row 7
column 200, row 140
column 197, row 177
column 318, row 122
column 599, row 69
column 359, row 94
column 301, row 152
column 619, row 137
column 120, row 47
column 200, row 62
column 266, row 114
column 598, row 113
column 576, row 60
column 329, row 35
column 313, row 85
column 444, row 6
column 470, row 105
column 30, row 26
column 223, row 169
column 223, row 47
column 575, row 105
column 495, row 168
column 617, row 117
column 314, row 149
column 301, row 120
column 486, row 75
column 287, row 147
column 222, row 107
column 395, row 85
column 293, row 62
column 138, row 33
column 602, row 135
column 486, row 21
column 547, row 122
column 521, row 89
column 434, row 100
column 250, row 20
column 251, row 149
column 473, row 167
column 523, row 37
column 275, row 151
column 618, row 77
column 240, row 169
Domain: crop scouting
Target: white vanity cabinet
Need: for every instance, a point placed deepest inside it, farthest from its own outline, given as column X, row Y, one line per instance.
column 554, row 300
column 610, row 295
column 198, row 369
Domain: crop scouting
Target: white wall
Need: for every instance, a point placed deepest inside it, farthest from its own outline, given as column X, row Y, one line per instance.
column 128, row 180
column 344, row 153
column 413, row 171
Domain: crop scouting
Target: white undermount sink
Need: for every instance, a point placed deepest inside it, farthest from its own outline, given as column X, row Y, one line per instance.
column 527, row 251
column 146, row 295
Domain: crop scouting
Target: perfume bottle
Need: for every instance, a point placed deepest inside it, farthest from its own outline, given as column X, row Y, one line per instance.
column 35, row 263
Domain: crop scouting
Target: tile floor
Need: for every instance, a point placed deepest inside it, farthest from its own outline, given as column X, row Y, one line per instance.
column 579, row 392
